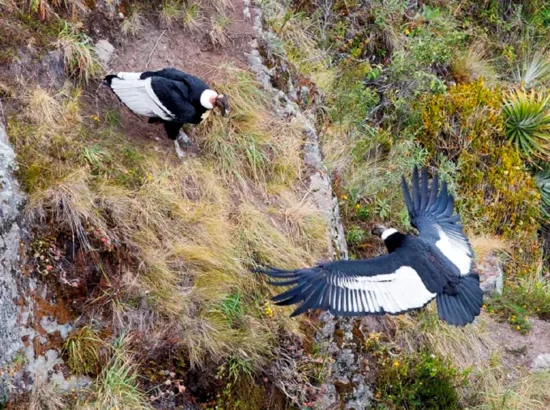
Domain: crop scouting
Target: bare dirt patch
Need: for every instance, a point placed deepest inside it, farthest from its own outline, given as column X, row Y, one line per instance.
column 520, row 349
column 191, row 51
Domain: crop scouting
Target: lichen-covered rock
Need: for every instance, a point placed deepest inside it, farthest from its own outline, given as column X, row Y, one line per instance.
column 11, row 201
column 541, row 363
column 320, row 183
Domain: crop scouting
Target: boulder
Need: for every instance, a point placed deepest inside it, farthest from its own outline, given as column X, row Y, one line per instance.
column 541, row 363
column 491, row 275
column 104, row 51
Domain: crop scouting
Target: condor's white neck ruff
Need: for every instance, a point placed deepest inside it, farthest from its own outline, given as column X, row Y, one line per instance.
column 387, row 233
column 206, row 98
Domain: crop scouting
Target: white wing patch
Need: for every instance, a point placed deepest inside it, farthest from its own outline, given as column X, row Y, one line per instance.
column 138, row 95
column 395, row 292
column 456, row 249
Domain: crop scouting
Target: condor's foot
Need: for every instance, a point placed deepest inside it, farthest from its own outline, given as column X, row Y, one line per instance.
column 179, row 152
column 184, row 139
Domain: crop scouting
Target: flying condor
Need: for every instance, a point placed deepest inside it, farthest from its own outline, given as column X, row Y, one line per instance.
column 435, row 264
column 169, row 96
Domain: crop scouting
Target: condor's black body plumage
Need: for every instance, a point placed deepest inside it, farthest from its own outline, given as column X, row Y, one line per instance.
column 417, row 269
column 169, row 96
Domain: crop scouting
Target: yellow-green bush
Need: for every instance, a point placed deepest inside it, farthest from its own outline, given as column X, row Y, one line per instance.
column 496, row 193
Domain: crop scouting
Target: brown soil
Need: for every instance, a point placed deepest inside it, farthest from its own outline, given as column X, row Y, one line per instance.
column 190, row 51
column 520, row 349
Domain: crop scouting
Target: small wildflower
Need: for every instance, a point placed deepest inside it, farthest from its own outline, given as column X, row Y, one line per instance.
column 344, row 197
column 484, row 307
column 268, row 310
column 518, row 327
column 396, row 363
column 358, row 206
column 407, row 32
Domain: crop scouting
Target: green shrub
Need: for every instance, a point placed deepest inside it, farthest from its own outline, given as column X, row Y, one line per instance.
column 496, row 195
column 417, row 381
column 355, row 235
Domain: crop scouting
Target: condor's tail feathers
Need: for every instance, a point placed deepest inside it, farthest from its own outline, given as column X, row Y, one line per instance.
column 463, row 307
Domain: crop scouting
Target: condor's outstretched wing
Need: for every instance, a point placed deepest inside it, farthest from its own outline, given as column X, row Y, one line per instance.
column 431, row 212
column 385, row 284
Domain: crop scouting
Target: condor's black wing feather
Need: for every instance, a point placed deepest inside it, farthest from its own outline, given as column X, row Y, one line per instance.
column 431, row 212
column 385, row 284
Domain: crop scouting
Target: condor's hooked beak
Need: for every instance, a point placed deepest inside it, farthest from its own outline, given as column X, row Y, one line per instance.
column 377, row 230
column 223, row 104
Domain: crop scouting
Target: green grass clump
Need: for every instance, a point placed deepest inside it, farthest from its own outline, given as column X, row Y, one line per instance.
column 80, row 59
column 528, row 122
column 83, row 351
column 417, row 381
column 170, row 12
column 132, row 25
column 117, row 386
column 192, row 16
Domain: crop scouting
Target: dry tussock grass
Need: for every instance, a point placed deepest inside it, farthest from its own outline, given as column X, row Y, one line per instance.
column 486, row 245
column 472, row 64
column 45, row 396
column 188, row 233
column 132, row 25
column 253, row 143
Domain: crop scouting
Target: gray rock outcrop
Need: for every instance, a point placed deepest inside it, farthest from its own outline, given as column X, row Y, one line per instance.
column 11, row 201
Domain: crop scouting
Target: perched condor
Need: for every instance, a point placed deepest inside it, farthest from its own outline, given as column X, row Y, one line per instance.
column 435, row 264
column 169, row 96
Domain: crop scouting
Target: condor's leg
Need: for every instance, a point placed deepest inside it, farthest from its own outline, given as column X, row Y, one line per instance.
column 173, row 130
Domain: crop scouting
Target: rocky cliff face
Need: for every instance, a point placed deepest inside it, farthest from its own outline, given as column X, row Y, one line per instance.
column 11, row 201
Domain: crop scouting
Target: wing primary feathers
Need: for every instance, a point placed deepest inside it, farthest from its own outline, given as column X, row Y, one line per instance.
column 311, row 301
column 284, row 283
column 433, row 191
column 406, row 194
column 450, row 206
column 291, row 294
column 424, row 194
column 415, row 188
column 443, row 198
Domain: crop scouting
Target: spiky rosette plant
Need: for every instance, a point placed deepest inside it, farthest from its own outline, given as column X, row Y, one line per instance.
column 528, row 122
column 534, row 71
column 543, row 184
